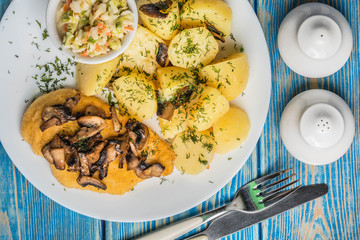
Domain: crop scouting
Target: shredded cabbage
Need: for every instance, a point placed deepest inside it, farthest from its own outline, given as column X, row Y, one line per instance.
column 94, row 27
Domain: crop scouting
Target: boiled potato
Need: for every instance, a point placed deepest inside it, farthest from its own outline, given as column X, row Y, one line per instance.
column 92, row 78
column 166, row 24
column 172, row 79
column 140, row 56
column 229, row 75
column 218, row 14
column 192, row 48
column 231, row 130
column 193, row 151
column 177, row 123
column 206, row 108
column 136, row 95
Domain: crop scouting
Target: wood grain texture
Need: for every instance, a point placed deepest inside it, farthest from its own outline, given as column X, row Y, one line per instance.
column 336, row 215
column 25, row 213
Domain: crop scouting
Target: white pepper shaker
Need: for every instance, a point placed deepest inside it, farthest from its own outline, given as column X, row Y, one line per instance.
column 315, row 40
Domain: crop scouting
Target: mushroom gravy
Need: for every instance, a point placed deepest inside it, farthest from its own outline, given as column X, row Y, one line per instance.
column 151, row 155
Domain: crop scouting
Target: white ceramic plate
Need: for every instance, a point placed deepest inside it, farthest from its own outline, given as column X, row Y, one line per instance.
column 22, row 47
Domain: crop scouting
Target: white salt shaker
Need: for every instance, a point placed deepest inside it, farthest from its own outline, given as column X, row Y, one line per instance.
column 317, row 127
column 315, row 40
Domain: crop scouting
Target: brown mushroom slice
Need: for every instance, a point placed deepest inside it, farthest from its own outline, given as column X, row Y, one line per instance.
column 215, row 32
column 94, row 155
column 55, row 142
column 58, row 155
column 156, row 10
column 91, row 121
column 65, row 143
column 50, row 123
column 157, row 169
column 91, row 125
column 132, row 161
column 111, row 154
column 73, row 101
column 162, row 55
column 84, row 164
column 59, row 111
column 182, row 96
column 91, row 110
column 115, row 120
column 86, row 180
column 138, row 133
column 73, row 163
column 122, row 145
column 143, row 170
column 46, row 153
column 165, row 110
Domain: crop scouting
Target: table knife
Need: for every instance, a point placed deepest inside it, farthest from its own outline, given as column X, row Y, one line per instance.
column 237, row 220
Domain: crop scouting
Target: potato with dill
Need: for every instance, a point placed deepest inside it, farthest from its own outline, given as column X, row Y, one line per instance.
column 193, row 151
column 229, row 75
column 231, row 130
column 136, row 95
column 192, row 48
column 205, row 108
column 92, row 78
column 145, row 54
column 172, row 79
column 216, row 15
column 177, row 123
column 160, row 17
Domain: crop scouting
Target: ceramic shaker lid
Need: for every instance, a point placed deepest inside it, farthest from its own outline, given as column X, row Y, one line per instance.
column 317, row 127
column 315, row 40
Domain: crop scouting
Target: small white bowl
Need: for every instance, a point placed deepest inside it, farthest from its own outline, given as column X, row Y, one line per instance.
column 51, row 12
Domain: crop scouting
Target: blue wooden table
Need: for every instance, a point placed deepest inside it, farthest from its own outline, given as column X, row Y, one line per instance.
column 25, row 213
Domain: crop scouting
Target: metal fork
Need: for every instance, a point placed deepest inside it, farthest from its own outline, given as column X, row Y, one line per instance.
column 255, row 195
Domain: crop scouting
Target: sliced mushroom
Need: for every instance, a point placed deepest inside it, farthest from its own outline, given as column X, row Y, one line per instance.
column 50, row 123
column 132, row 161
column 138, row 133
column 122, row 145
column 115, row 120
column 46, row 153
column 162, row 55
column 156, row 10
column 58, row 155
column 157, row 169
column 56, row 142
column 165, row 110
column 86, row 180
column 91, row 121
column 84, row 164
column 94, row 155
column 73, row 163
column 215, row 32
column 59, row 111
column 145, row 170
column 111, row 154
column 91, row 110
column 73, row 101
column 91, row 125
column 182, row 96
column 65, row 143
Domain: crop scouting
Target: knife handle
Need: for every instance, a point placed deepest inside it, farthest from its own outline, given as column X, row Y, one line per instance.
column 174, row 230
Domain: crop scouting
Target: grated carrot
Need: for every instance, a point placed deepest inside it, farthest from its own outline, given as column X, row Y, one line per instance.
column 84, row 54
column 97, row 47
column 128, row 28
column 65, row 27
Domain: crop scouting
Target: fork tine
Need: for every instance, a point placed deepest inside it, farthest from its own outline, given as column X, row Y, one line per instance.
column 268, row 186
column 275, row 191
column 266, row 178
column 278, row 196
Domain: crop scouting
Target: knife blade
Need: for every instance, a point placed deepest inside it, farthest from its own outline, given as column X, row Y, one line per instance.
column 236, row 220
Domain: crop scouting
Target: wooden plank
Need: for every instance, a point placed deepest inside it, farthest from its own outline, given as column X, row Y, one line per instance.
column 336, row 215
column 119, row 231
